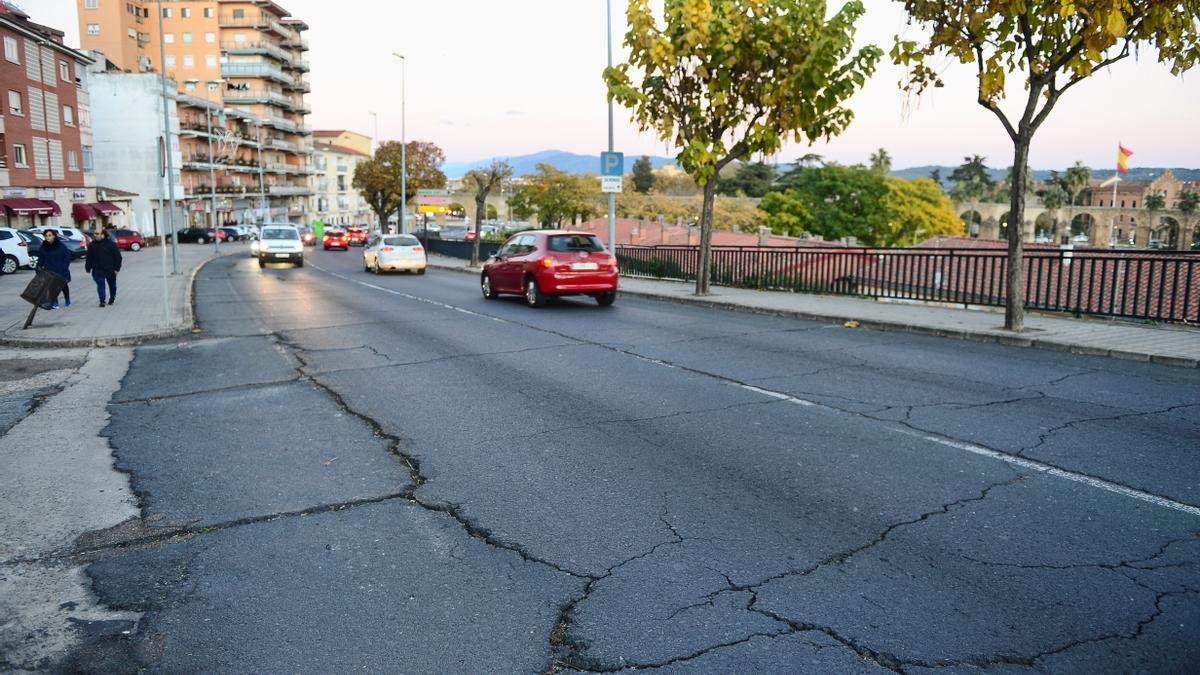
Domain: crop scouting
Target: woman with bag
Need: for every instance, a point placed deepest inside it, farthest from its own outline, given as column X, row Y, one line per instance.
column 56, row 257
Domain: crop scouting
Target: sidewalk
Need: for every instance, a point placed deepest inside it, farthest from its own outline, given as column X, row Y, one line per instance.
column 138, row 315
column 1171, row 345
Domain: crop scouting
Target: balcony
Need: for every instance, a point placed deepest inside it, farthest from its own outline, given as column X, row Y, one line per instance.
column 280, row 144
column 289, row 190
column 264, row 47
column 280, row 123
column 298, row 84
column 260, row 21
column 296, row 41
column 263, row 70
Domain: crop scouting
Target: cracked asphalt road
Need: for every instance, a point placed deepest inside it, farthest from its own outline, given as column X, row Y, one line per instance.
column 391, row 473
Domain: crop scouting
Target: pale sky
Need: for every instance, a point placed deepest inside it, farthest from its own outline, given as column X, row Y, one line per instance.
column 489, row 78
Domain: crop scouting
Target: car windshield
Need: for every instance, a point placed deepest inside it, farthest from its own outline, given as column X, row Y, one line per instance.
column 576, row 242
column 280, row 234
column 403, row 240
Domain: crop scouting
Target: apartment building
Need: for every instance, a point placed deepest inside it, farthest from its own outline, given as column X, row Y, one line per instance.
column 45, row 127
column 241, row 70
column 336, row 155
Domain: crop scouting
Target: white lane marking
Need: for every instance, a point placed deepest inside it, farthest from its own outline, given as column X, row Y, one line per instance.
column 1022, row 462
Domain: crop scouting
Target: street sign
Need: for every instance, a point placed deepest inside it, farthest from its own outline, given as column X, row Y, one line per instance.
column 433, row 201
column 610, row 183
column 426, row 208
column 612, row 164
column 433, row 193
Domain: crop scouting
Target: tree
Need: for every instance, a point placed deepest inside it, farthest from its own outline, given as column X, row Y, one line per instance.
column 456, row 210
column 1155, row 201
column 917, row 210
column 378, row 181
column 424, row 161
column 1078, row 178
column 554, row 196
column 810, row 159
column 881, row 161
column 833, row 201
column 1187, row 202
column 752, row 179
column 643, row 175
column 1054, row 197
column 936, row 176
column 1054, row 45
column 727, row 79
column 971, row 182
column 483, row 181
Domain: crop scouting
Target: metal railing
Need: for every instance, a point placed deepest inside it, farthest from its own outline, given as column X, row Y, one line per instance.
column 256, row 70
column 1150, row 285
column 257, row 47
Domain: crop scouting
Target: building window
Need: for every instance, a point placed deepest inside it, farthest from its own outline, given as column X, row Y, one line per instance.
column 186, row 13
column 14, row 103
column 166, row 12
column 208, row 12
column 93, row 29
column 129, row 8
column 72, row 161
column 239, row 13
column 169, row 38
column 189, row 86
column 210, row 61
column 87, row 158
column 19, row 156
column 133, row 33
column 170, row 61
column 64, row 71
column 210, row 37
column 68, row 116
column 189, row 61
column 10, row 50
column 187, row 38
column 90, row 4
column 239, row 38
column 1135, row 203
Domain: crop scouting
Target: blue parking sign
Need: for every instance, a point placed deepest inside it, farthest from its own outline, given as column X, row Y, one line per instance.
column 612, row 164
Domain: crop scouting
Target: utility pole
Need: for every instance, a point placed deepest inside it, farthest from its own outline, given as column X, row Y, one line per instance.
column 403, row 150
column 262, row 181
column 612, row 197
column 212, row 171
column 166, row 101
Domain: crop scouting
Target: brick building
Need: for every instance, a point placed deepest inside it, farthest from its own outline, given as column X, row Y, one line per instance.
column 45, row 126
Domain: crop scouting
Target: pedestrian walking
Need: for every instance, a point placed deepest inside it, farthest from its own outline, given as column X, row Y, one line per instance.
column 56, row 257
column 103, row 262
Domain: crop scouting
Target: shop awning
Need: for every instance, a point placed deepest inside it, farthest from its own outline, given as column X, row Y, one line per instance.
column 107, row 208
column 81, row 212
column 54, row 210
column 25, row 206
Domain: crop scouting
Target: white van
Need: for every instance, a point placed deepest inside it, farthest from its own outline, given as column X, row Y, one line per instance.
column 280, row 243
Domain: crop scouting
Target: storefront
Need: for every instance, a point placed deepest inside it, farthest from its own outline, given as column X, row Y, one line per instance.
column 94, row 215
column 26, row 212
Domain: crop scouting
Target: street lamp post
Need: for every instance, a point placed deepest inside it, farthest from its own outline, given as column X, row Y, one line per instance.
column 374, row 151
column 166, row 101
column 612, row 197
column 212, row 169
column 262, row 181
column 403, row 149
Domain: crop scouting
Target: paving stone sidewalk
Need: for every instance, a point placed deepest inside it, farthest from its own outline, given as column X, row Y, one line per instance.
column 138, row 315
column 1171, row 345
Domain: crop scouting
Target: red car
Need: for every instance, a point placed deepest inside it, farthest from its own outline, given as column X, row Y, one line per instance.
column 128, row 240
column 550, row 263
column 336, row 239
column 356, row 235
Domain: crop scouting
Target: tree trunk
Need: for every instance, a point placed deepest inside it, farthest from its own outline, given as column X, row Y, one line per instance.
column 704, row 265
column 480, row 205
column 1014, row 310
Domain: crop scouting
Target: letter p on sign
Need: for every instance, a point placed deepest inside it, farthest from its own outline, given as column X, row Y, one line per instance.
column 612, row 164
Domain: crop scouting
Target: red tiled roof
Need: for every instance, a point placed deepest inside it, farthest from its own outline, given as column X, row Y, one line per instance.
column 340, row 148
column 328, row 133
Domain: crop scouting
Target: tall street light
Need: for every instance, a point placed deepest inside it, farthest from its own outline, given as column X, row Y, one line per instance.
column 403, row 149
column 162, row 62
column 612, row 197
column 212, row 164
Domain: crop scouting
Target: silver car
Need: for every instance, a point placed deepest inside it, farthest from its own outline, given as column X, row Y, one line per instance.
column 393, row 252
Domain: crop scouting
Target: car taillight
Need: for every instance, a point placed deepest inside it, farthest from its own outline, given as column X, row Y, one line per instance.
column 24, row 243
column 387, row 249
column 547, row 262
column 418, row 249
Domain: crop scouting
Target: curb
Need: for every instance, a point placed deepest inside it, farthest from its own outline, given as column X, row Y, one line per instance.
column 183, row 328
column 1031, row 341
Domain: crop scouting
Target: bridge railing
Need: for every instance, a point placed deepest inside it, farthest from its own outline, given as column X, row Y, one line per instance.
column 1159, row 286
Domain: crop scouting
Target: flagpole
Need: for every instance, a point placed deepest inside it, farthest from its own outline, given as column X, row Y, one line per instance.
column 1112, row 224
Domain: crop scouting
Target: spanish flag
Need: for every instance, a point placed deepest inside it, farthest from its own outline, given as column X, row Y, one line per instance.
column 1123, row 155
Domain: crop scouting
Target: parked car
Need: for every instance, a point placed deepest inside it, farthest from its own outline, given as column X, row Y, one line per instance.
column 335, row 239
column 454, row 234
column 34, row 245
column 14, row 251
column 280, row 243
column 356, row 235
column 394, row 252
column 66, row 233
column 229, row 234
column 195, row 235
column 128, row 240
column 551, row 263
column 247, row 232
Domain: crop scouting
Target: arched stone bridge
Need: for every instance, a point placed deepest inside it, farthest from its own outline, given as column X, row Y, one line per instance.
column 1126, row 225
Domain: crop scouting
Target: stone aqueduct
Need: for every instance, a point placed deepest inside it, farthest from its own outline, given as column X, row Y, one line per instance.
column 1126, row 225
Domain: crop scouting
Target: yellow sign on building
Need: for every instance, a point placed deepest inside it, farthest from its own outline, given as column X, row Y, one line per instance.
column 431, row 208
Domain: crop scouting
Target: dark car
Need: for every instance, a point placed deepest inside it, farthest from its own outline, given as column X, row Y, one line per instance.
column 336, row 239
column 128, row 240
column 229, row 234
column 550, row 263
column 195, row 235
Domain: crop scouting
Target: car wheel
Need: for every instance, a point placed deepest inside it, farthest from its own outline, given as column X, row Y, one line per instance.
column 135, row 247
column 10, row 265
column 33, row 261
column 201, row 241
column 485, row 285
column 366, row 267
column 421, row 271
column 533, row 295
column 606, row 298
column 300, row 262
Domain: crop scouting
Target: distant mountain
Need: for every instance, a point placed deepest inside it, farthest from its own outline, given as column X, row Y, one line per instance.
column 1136, row 173
column 563, row 161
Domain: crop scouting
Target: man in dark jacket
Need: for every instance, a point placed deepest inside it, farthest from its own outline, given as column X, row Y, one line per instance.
column 104, row 261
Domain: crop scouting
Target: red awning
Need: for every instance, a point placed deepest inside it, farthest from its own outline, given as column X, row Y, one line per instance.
column 81, row 212
column 54, row 210
column 107, row 208
column 26, row 206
